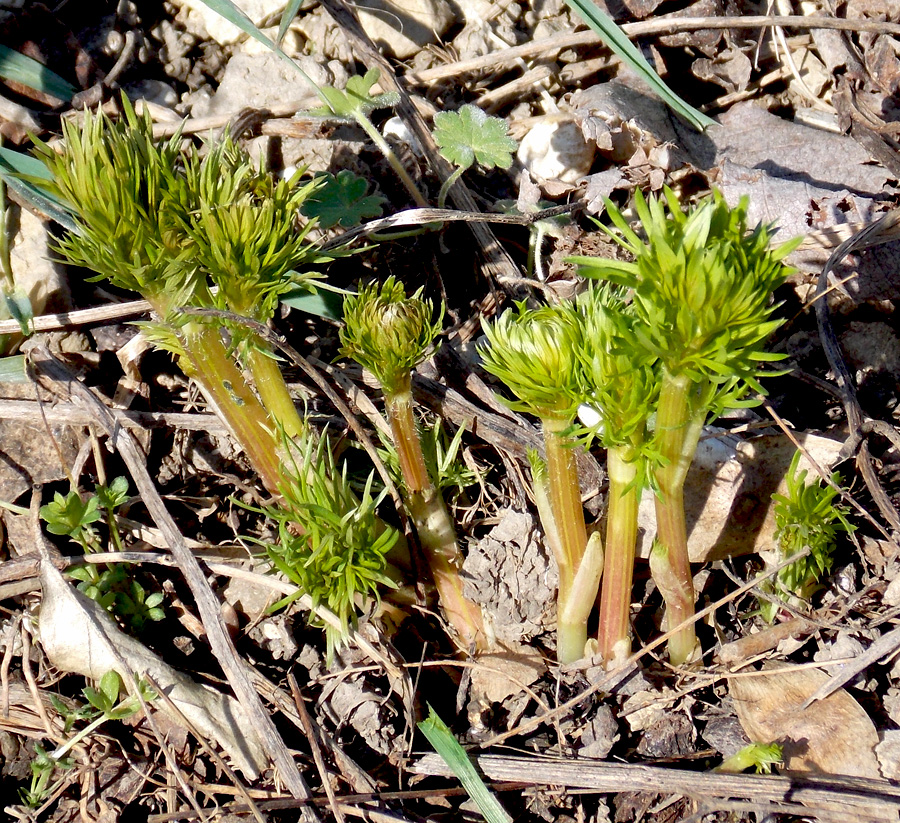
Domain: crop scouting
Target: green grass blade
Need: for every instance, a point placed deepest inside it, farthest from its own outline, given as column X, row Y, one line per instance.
column 612, row 35
column 290, row 12
column 446, row 745
column 12, row 370
column 315, row 301
column 15, row 168
column 235, row 16
column 28, row 72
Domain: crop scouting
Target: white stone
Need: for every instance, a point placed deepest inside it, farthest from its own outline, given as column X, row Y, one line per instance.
column 32, row 261
column 403, row 27
column 263, row 80
column 203, row 22
column 555, row 149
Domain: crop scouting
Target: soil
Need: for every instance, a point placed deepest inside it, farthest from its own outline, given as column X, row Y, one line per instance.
column 807, row 127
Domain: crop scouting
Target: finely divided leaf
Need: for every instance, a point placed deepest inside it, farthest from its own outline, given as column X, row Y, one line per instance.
column 469, row 134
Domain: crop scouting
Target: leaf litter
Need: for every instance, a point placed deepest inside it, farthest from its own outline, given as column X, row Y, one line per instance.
column 811, row 182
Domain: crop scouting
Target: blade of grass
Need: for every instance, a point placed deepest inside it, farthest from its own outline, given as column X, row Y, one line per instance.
column 15, row 168
column 27, row 71
column 604, row 25
column 290, row 12
column 234, row 15
column 454, row 755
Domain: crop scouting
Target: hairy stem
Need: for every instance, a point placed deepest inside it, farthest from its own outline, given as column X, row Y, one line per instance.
column 678, row 425
column 568, row 514
column 274, row 393
column 445, row 188
column 207, row 361
column 614, row 641
column 433, row 524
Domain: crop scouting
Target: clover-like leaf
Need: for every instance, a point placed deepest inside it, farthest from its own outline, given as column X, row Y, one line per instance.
column 342, row 200
column 469, row 134
column 357, row 98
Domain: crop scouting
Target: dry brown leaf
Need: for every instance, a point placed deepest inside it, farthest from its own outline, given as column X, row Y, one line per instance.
column 834, row 735
column 78, row 636
column 506, row 673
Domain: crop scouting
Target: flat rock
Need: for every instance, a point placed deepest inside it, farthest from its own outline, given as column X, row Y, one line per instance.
column 728, row 493
column 402, row 28
column 263, row 80
column 204, row 23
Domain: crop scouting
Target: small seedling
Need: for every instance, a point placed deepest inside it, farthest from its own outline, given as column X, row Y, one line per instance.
column 757, row 756
column 107, row 706
column 390, row 334
column 808, row 515
column 113, row 587
column 357, row 102
column 468, row 136
column 42, row 766
column 103, row 704
column 331, row 543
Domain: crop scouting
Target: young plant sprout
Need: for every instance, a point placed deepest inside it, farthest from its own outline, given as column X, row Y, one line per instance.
column 389, row 334
column 621, row 382
column 806, row 516
column 331, row 542
column 701, row 288
column 470, row 135
column 535, row 353
column 169, row 226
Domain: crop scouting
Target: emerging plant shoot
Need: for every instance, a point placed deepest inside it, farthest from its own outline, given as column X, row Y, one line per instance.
column 389, row 334
column 808, row 515
column 621, row 382
column 535, row 352
column 701, row 286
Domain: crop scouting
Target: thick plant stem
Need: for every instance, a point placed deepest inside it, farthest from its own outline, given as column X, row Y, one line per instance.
column 678, row 426
column 613, row 638
column 207, row 361
column 433, row 524
column 273, row 392
column 565, row 497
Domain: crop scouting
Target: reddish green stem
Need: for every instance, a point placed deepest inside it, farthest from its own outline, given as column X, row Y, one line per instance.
column 432, row 520
column 613, row 638
column 678, row 426
column 207, row 361
column 568, row 515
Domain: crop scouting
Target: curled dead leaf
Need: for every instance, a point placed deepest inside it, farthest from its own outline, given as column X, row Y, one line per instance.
column 834, row 735
column 78, row 636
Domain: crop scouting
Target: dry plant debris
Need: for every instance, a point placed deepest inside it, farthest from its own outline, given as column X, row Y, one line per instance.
column 164, row 495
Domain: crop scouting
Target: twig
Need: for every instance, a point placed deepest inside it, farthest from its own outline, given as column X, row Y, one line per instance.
column 82, row 317
column 53, row 371
column 858, row 798
column 883, row 647
column 611, row 677
column 314, row 746
column 883, row 230
column 216, row 757
column 661, row 25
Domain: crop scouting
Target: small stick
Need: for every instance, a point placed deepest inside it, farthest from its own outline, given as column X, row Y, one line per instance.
column 310, row 732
